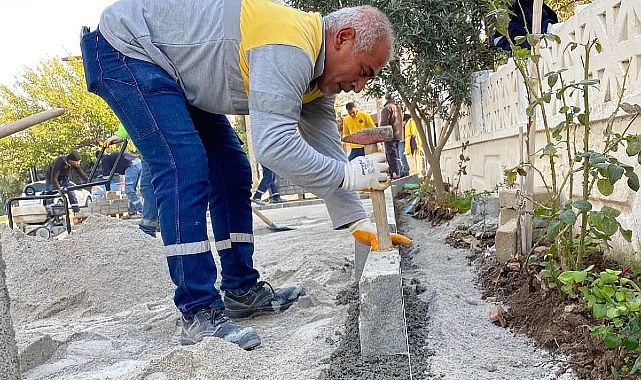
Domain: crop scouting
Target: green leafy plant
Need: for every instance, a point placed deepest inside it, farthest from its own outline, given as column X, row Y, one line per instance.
column 462, row 165
column 548, row 269
column 614, row 300
column 462, row 201
column 574, row 226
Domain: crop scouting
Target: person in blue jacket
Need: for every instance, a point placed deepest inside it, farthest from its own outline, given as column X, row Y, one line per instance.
column 521, row 23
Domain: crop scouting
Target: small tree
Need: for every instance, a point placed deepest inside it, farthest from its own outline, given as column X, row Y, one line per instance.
column 53, row 83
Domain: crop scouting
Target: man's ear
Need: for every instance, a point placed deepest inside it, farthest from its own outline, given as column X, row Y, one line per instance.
column 344, row 35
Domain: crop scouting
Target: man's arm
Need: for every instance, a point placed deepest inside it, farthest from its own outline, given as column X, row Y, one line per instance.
column 318, row 129
column 81, row 173
column 369, row 122
column 279, row 76
column 120, row 136
column 55, row 172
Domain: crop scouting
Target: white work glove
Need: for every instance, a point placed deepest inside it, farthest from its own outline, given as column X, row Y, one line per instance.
column 366, row 173
column 364, row 232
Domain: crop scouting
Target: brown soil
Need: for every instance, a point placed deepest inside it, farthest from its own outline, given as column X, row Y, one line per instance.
column 554, row 321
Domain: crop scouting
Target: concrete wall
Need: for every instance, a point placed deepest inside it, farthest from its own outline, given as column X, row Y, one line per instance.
column 496, row 120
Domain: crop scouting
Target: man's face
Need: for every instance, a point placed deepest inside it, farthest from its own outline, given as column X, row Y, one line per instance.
column 352, row 111
column 346, row 70
column 74, row 163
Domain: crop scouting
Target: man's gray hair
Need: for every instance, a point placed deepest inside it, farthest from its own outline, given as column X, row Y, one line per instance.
column 371, row 26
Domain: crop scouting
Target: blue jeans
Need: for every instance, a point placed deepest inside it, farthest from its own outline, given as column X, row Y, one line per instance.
column 268, row 182
column 149, row 221
column 196, row 162
column 393, row 159
column 71, row 196
column 132, row 176
column 401, row 152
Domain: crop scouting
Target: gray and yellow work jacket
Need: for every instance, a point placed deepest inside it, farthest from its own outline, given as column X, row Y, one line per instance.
column 251, row 57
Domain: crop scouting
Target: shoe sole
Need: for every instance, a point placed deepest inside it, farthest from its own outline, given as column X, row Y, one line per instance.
column 245, row 314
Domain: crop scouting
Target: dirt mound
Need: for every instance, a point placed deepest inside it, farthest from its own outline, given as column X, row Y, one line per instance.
column 70, row 275
column 552, row 320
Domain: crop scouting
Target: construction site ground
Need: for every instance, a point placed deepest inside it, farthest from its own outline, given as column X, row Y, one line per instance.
column 97, row 304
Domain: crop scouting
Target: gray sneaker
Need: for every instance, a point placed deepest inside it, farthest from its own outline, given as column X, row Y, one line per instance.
column 261, row 299
column 212, row 322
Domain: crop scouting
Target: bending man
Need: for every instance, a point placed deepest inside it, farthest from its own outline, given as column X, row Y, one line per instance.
column 171, row 70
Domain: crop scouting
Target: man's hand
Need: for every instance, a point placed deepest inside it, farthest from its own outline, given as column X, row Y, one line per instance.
column 364, row 232
column 63, row 190
column 111, row 140
column 366, row 173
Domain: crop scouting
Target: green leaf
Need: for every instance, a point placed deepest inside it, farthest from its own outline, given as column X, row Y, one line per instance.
column 627, row 234
column 529, row 111
column 596, row 159
column 582, row 205
column 540, row 211
column 573, row 276
column 549, row 150
column 630, row 343
column 633, row 180
column 605, row 186
column 609, row 277
column 608, row 290
column 612, row 341
column 567, row 217
column 609, row 226
column 553, row 229
column 552, row 79
column 583, row 119
column 539, row 222
column 610, row 212
column 613, row 313
column 615, row 172
column 588, row 82
column 599, row 311
column 634, row 145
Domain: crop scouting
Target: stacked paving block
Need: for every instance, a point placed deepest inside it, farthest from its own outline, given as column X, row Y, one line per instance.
column 113, row 204
column 285, row 187
column 507, row 234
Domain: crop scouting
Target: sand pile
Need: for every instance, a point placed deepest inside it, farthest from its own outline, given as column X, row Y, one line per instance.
column 103, row 267
column 97, row 304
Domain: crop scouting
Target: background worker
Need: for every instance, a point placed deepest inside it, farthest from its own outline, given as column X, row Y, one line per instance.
column 130, row 166
column 171, row 70
column 413, row 146
column 57, row 177
column 391, row 114
column 354, row 121
column 267, row 183
column 149, row 223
